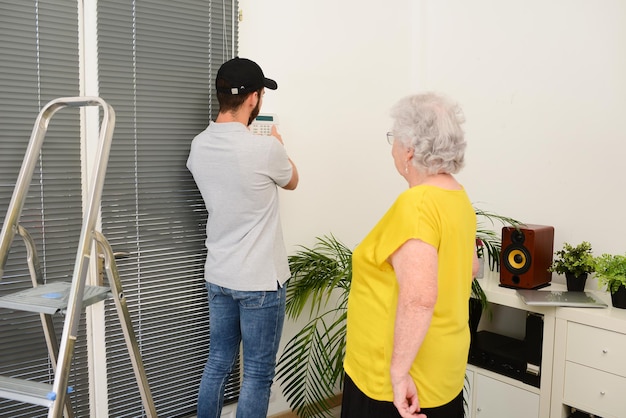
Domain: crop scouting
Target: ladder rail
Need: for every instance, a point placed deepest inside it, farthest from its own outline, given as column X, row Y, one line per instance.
column 32, row 260
column 84, row 252
column 127, row 327
column 34, row 266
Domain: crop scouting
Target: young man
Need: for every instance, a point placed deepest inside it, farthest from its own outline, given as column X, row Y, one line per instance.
column 238, row 174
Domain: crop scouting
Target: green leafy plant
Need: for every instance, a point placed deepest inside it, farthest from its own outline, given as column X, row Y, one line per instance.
column 491, row 240
column 479, row 294
column 576, row 260
column 310, row 367
column 611, row 271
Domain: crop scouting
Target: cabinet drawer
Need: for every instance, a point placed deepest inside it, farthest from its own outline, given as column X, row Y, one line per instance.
column 597, row 348
column 594, row 391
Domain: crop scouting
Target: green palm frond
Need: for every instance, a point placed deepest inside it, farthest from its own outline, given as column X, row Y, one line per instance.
column 311, row 365
column 490, row 238
column 316, row 274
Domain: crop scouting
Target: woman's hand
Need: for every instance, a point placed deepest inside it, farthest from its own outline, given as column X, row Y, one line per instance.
column 405, row 397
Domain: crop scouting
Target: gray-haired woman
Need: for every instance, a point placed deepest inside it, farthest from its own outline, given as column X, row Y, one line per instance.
column 408, row 336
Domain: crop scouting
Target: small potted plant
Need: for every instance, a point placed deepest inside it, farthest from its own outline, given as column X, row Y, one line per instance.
column 611, row 272
column 576, row 263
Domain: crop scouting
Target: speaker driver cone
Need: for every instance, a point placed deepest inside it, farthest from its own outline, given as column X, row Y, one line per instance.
column 517, row 259
column 517, row 237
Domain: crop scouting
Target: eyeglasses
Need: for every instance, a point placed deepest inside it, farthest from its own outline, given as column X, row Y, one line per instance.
column 390, row 138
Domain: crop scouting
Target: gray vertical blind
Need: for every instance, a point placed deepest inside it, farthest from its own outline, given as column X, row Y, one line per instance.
column 157, row 62
column 39, row 62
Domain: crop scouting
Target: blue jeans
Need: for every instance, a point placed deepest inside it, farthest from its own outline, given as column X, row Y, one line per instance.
column 254, row 319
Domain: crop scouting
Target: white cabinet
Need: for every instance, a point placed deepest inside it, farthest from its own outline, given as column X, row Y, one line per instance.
column 494, row 396
column 592, row 374
column 583, row 363
column 511, row 397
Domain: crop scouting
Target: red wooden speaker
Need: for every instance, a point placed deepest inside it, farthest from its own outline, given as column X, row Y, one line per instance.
column 526, row 256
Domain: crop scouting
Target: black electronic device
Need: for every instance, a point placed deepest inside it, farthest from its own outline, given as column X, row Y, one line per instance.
column 518, row 359
column 533, row 339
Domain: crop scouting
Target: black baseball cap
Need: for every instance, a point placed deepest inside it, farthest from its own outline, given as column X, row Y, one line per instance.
column 242, row 76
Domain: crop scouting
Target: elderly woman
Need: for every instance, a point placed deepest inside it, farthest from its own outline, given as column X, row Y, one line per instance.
column 408, row 336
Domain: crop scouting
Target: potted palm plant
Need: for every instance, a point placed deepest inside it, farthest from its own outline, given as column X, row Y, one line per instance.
column 575, row 263
column 310, row 367
column 611, row 273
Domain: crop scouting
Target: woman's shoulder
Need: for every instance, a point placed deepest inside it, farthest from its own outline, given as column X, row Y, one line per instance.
column 423, row 196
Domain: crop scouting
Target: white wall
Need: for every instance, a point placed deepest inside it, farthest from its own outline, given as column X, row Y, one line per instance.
column 544, row 89
column 339, row 67
column 542, row 84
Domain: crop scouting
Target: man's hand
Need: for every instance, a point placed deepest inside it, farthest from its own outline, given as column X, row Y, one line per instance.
column 276, row 134
column 405, row 398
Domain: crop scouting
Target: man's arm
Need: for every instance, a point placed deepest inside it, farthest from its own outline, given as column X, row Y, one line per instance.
column 295, row 178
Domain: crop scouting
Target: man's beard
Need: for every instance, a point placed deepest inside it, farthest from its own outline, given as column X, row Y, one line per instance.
column 255, row 112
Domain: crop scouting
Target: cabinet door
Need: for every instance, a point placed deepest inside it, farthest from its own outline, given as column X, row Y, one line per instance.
column 496, row 399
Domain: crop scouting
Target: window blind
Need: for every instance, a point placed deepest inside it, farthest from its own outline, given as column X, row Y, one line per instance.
column 157, row 63
column 39, row 62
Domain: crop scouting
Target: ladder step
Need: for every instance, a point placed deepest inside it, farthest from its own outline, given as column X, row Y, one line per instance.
column 27, row 391
column 50, row 298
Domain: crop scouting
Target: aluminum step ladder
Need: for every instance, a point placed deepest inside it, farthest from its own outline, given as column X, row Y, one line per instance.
column 66, row 298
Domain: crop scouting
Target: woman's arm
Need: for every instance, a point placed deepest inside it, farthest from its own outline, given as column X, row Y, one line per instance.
column 415, row 265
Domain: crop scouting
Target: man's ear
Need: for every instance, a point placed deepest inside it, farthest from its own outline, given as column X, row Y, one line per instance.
column 252, row 99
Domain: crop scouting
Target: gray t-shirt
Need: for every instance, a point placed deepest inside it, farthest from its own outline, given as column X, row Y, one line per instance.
column 238, row 175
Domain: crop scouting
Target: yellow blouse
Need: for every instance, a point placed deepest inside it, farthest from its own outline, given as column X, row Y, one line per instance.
column 446, row 220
